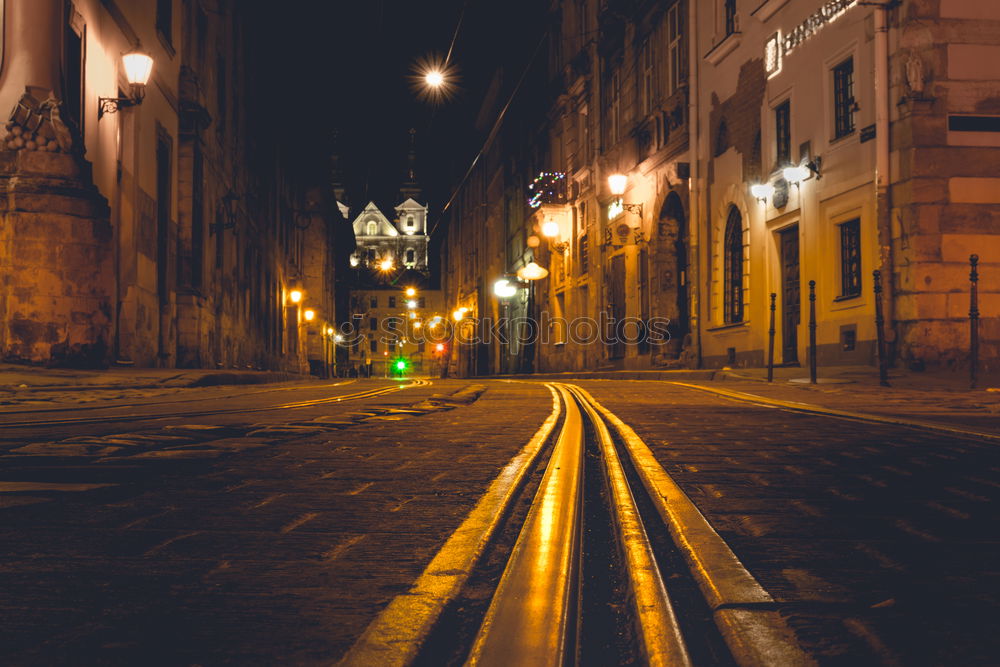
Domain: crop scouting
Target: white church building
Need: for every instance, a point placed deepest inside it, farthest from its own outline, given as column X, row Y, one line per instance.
column 402, row 242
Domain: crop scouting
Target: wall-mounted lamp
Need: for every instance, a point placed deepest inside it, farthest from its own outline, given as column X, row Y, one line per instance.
column 796, row 175
column 138, row 67
column 386, row 264
column 295, row 296
column 504, row 288
column 762, row 191
column 532, row 271
column 617, row 184
column 551, row 231
column 225, row 213
column 309, row 314
column 459, row 314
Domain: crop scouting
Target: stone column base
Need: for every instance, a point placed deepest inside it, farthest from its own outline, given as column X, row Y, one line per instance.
column 56, row 262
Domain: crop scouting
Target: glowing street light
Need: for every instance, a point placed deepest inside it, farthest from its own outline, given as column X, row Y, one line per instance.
column 762, row 191
column 504, row 288
column 309, row 314
column 410, row 291
column 796, row 174
column 617, row 183
column 550, row 229
column 138, row 68
column 386, row 264
column 459, row 314
column 532, row 272
column 411, row 304
column 295, row 296
column 329, row 331
column 434, row 78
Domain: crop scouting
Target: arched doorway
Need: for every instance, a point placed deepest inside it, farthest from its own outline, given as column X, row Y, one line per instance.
column 673, row 252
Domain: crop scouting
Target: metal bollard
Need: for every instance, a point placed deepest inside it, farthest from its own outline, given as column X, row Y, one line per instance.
column 812, row 331
column 883, row 362
column 973, row 321
column 770, row 342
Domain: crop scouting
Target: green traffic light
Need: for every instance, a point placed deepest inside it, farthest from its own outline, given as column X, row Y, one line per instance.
column 401, row 365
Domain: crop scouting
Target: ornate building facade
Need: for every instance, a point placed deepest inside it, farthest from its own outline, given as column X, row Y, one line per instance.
column 149, row 229
column 688, row 160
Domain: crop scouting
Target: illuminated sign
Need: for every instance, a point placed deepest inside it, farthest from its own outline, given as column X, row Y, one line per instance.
column 778, row 46
column 615, row 208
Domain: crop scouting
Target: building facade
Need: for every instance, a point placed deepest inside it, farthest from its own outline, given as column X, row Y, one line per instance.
column 151, row 234
column 775, row 149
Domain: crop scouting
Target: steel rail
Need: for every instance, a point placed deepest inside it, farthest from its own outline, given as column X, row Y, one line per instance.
column 744, row 612
column 534, row 609
column 660, row 640
column 371, row 393
column 394, row 638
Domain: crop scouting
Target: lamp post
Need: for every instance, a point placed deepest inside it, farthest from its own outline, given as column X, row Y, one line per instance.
column 138, row 68
column 504, row 289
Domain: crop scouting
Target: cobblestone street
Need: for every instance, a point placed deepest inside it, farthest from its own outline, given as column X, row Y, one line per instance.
column 272, row 524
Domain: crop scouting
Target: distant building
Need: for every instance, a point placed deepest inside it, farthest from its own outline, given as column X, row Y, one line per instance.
column 401, row 242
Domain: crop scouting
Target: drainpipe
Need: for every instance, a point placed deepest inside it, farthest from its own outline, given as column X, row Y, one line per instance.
column 883, row 175
column 695, row 189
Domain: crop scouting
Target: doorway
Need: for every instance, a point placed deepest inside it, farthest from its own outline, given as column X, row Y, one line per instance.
column 791, row 295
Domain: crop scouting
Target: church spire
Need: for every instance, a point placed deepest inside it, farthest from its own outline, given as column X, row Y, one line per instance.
column 336, row 172
column 411, row 189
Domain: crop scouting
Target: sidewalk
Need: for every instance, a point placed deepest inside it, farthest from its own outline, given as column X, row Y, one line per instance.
column 937, row 397
column 17, row 378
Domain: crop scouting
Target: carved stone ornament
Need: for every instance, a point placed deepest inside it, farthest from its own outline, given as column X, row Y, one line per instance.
column 915, row 74
column 35, row 124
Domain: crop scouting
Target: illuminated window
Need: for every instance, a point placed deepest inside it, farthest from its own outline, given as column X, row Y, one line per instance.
column 783, row 134
column 733, row 269
column 850, row 258
column 409, row 221
column 372, row 228
column 843, row 98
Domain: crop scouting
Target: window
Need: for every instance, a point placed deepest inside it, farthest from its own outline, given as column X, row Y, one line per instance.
column 373, row 345
column 372, row 229
column 409, row 221
column 392, row 302
column 613, row 107
column 733, row 247
column 648, row 59
column 850, row 258
column 843, row 98
column 422, row 302
column 783, row 134
column 165, row 19
column 374, row 302
column 373, row 323
column 674, row 53
column 370, row 254
column 729, row 15
column 411, row 256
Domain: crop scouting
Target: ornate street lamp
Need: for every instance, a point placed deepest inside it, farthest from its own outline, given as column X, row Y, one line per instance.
column 138, row 68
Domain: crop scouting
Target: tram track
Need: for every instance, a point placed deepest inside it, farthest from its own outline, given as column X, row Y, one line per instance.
column 582, row 580
column 147, row 416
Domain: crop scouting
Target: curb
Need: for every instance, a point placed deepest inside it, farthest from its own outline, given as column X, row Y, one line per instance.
column 808, row 408
column 175, row 381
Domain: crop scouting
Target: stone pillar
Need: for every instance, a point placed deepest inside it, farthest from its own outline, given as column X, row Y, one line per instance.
column 56, row 254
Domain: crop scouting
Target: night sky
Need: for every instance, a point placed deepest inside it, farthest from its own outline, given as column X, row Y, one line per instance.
column 350, row 66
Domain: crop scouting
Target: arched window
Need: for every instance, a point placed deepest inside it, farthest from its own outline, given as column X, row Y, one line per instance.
column 733, row 250
column 409, row 221
column 372, row 228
